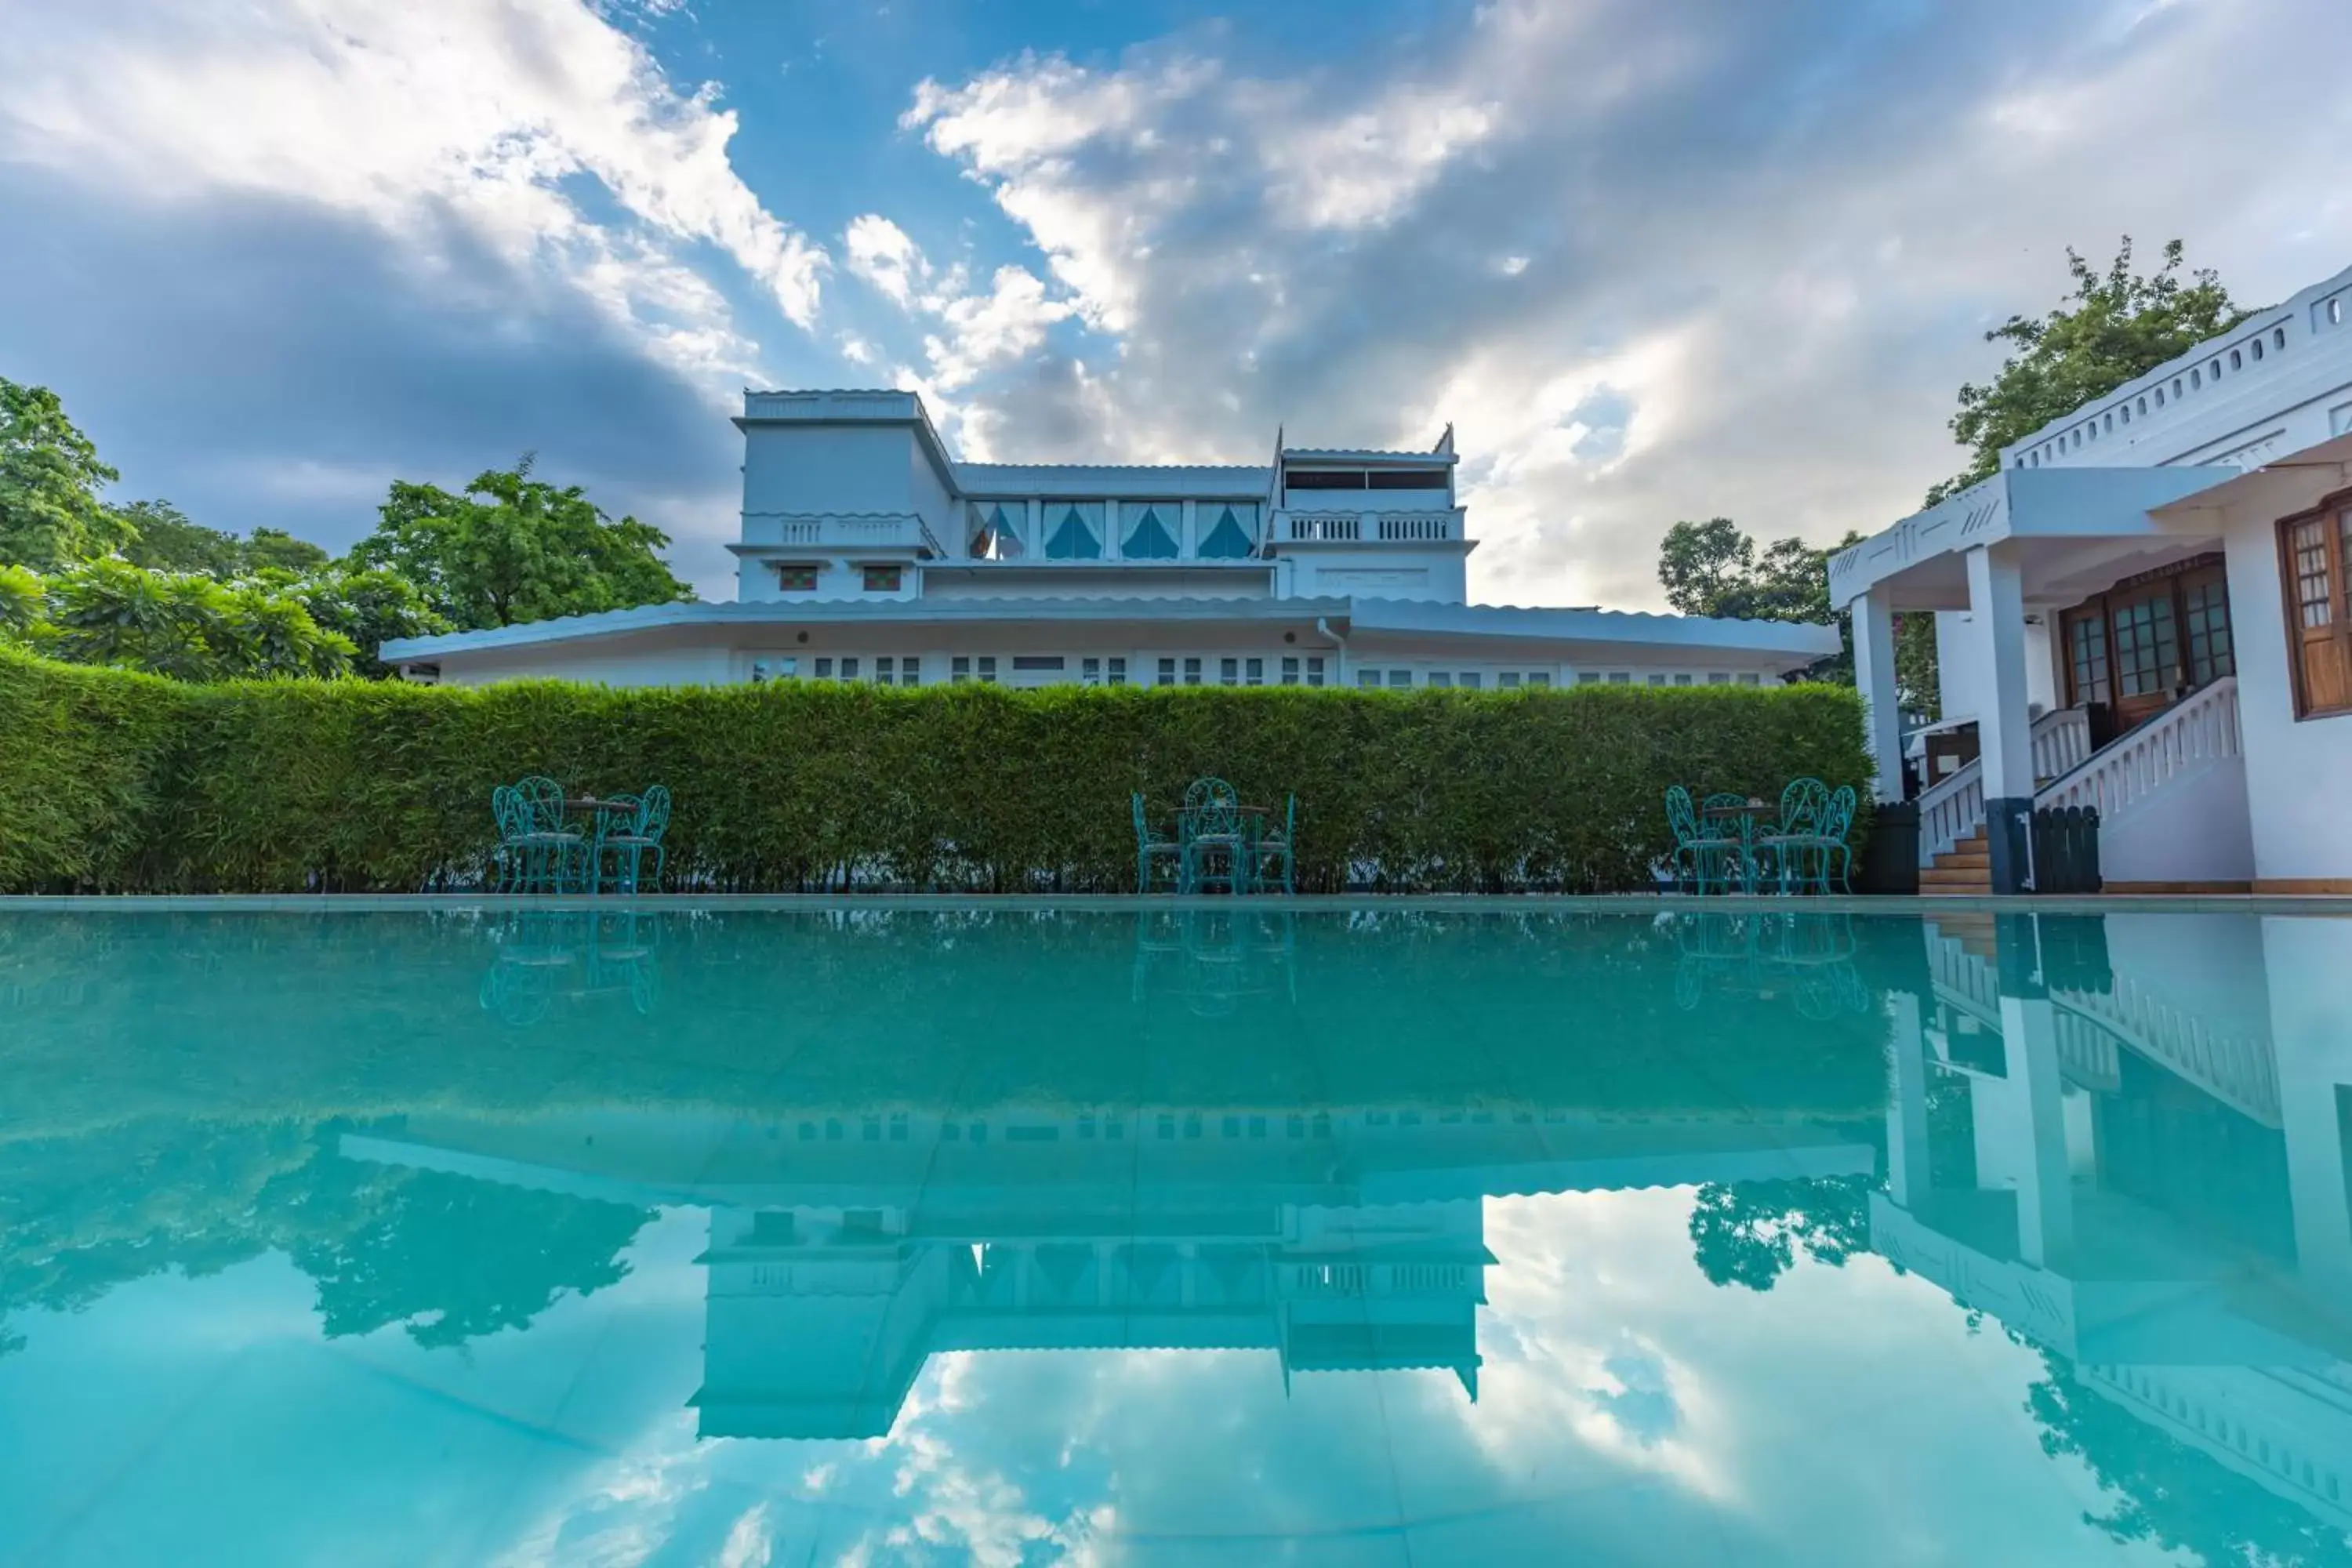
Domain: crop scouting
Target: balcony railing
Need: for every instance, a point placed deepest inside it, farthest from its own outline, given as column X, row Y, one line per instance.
column 1367, row 526
column 841, row 530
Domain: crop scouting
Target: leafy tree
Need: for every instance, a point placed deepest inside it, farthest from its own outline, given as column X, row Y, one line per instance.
column 513, row 548
column 1713, row 568
column 1750, row 1234
column 369, row 607
column 2115, row 326
column 275, row 550
column 49, row 481
column 160, row 538
column 186, row 625
column 22, row 606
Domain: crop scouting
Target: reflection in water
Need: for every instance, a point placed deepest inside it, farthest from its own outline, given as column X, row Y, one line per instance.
column 2121, row 1142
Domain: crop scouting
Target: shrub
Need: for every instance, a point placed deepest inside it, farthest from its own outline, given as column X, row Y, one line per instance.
column 112, row 782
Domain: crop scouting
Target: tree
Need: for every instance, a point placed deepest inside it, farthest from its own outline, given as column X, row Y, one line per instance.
column 21, row 603
column 162, row 539
column 2114, row 327
column 1749, row 1234
column 513, row 548
column 275, row 550
column 49, row 481
column 186, row 625
column 370, row 608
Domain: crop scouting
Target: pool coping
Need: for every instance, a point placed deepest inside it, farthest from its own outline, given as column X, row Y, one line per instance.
column 2327, row 905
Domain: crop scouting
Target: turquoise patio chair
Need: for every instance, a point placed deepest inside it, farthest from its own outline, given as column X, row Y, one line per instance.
column 1276, row 847
column 554, row 854
column 513, row 819
column 1815, row 859
column 1698, row 856
column 1210, row 831
column 1151, row 847
column 1802, row 802
column 641, row 834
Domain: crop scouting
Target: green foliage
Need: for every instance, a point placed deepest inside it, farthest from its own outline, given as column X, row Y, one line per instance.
column 163, row 539
column 22, row 603
column 275, row 550
column 386, row 786
column 2114, row 327
column 1750, row 1234
column 513, row 548
column 369, row 607
column 50, row 477
column 183, row 625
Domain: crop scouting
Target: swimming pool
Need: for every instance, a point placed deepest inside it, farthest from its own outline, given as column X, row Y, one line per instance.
column 1013, row 1235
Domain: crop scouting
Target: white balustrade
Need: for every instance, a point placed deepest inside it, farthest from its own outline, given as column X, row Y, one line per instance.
column 1953, row 808
column 2184, row 737
column 850, row 531
column 1356, row 527
column 2061, row 742
column 1324, row 527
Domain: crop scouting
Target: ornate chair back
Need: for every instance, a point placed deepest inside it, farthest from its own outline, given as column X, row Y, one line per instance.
column 653, row 813
column 513, row 815
column 542, row 800
column 1212, row 806
column 1681, row 816
column 1837, row 816
column 1801, row 804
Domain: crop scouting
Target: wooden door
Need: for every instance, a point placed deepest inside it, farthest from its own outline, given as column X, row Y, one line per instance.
column 2312, row 551
column 2143, row 650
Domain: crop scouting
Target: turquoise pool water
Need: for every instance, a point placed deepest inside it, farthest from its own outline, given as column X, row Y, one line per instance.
column 1007, row 1235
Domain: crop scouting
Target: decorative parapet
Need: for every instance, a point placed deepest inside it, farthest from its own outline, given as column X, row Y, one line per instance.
column 1295, row 527
column 767, row 531
column 851, row 404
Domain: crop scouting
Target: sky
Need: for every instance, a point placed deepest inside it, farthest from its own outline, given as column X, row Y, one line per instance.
column 1653, row 258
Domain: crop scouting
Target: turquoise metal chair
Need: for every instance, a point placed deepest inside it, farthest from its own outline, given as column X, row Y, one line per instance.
column 1210, row 832
column 1737, row 849
column 1802, row 802
column 1275, row 848
column 554, row 855
column 1817, row 857
column 513, row 819
column 641, row 834
column 1149, row 846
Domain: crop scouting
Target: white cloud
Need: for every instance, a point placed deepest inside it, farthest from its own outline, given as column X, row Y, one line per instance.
column 984, row 330
column 879, row 251
column 409, row 118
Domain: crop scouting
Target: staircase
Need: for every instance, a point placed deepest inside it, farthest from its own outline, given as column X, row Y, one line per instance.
column 1965, row 868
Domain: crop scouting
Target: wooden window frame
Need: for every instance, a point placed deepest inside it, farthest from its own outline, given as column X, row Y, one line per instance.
column 2329, row 514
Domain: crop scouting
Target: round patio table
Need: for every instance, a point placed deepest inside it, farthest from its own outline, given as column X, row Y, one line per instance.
column 603, row 811
column 1747, row 816
column 1252, row 827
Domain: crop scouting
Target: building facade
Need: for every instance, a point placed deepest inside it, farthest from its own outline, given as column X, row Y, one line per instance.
column 2148, row 611
column 869, row 553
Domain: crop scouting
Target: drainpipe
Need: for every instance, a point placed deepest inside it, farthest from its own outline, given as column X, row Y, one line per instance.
column 1323, row 629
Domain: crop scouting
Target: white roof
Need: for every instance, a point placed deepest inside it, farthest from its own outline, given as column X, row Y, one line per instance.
column 1798, row 644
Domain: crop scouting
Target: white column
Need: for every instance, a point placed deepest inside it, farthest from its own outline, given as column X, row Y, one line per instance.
column 1874, row 677
column 2004, row 728
column 1907, row 1105
column 2037, row 1163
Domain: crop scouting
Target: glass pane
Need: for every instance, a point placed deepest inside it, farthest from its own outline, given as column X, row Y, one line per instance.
column 2308, row 540
column 2088, row 653
column 2211, row 656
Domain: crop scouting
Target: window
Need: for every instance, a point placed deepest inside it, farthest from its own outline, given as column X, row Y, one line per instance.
column 1472, row 680
column 885, row 670
column 1440, row 678
column 1368, row 677
column 1229, row 671
column 1407, row 480
column 825, row 670
column 1167, row 672
column 2147, row 647
column 849, row 667
column 1509, row 681
column 1253, row 672
column 1038, row 663
column 988, row 669
column 1621, row 678
column 910, row 672
column 1683, row 678
column 1290, row 672
column 1090, row 672
column 1191, row 672
column 958, row 669
column 1398, row 677
column 1719, row 677
column 1751, row 678
column 1314, row 669
column 1323, row 479
column 2313, row 550
column 1117, row 669
column 884, row 579
column 2206, row 608
column 794, row 579
column 1657, row 680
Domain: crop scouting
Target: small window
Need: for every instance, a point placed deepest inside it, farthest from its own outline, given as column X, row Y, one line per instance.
column 1472, row 680
column 1751, row 678
column 795, row 579
column 1398, row 677
column 958, row 669
column 1253, row 672
column 1191, row 672
column 1683, row 678
column 988, row 669
column 2195, row 378
column 1408, row 479
column 2127, row 413
column 2159, row 397
column 1621, row 678
column 910, row 672
column 2255, row 348
column 1323, row 479
column 2335, row 311
column 1229, row 671
column 1509, row 681
column 1090, row 672
column 1315, row 669
column 1289, row 671
column 1440, row 678
column 1368, row 677
column 1117, row 669
column 1039, row 662
column 2142, row 407
column 1657, row 680
column 825, row 670
column 1539, row 678
column 1719, row 677
column 2111, row 421
column 2278, row 339
column 884, row 579
column 1167, row 672
column 885, row 670
column 849, row 667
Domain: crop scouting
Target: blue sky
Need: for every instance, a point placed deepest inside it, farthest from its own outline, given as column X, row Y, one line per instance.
column 1653, row 260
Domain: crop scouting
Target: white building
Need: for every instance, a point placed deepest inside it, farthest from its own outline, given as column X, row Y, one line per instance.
column 869, row 554
column 2148, row 610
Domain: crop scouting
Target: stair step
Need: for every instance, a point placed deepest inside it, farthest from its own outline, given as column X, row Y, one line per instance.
column 1934, row 878
column 1965, row 863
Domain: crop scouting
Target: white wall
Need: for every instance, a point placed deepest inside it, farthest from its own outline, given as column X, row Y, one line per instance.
column 1956, row 669
column 1440, row 573
column 2194, row 829
column 2297, row 773
column 622, row 662
column 830, row 469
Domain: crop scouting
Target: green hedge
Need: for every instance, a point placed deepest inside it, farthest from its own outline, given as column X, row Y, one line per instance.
column 122, row 782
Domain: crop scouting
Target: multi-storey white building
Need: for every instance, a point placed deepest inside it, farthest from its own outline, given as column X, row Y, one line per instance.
column 2147, row 610
column 869, row 554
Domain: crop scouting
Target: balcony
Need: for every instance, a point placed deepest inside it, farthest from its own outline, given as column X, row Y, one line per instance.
column 889, row 532
column 1293, row 527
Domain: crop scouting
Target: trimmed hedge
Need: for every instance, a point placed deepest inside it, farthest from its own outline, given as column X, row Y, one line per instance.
column 115, row 782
